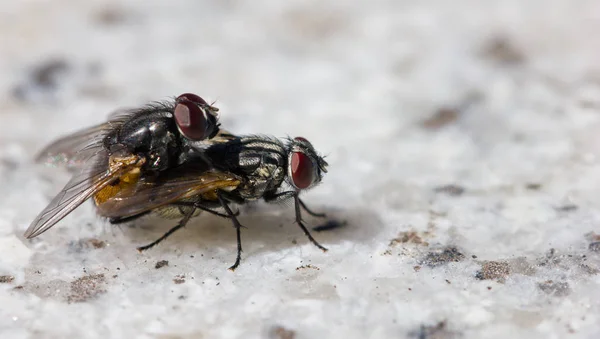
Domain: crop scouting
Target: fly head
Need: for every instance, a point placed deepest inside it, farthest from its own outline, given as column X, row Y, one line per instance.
column 305, row 166
column 195, row 119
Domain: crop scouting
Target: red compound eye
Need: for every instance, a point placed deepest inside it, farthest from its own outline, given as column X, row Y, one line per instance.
column 303, row 171
column 191, row 119
column 193, row 98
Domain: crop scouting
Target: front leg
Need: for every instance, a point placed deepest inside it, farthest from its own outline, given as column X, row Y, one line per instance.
column 298, row 204
column 278, row 197
column 314, row 214
column 272, row 197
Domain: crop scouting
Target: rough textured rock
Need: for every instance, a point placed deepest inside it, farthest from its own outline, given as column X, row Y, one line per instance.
column 465, row 127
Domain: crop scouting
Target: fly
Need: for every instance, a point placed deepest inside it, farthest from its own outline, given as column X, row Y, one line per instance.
column 133, row 144
column 245, row 169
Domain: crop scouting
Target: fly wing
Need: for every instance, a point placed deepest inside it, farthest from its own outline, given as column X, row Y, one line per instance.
column 176, row 184
column 76, row 149
column 81, row 187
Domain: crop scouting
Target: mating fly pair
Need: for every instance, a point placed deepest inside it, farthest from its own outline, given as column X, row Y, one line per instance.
column 173, row 159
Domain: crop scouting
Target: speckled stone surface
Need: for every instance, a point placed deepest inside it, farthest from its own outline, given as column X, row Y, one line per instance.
column 463, row 145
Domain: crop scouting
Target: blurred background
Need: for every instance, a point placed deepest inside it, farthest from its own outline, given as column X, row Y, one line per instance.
column 458, row 134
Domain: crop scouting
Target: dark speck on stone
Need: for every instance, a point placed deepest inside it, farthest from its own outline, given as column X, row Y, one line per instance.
column 493, row 270
column 161, row 264
column 86, row 287
column 437, row 331
column 439, row 258
column 566, row 208
column 280, row 332
column 451, row 190
column 179, row 279
column 4, row 279
column 9, row 164
column 45, row 74
column 559, row 289
column 444, row 116
column 43, row 77
column 110, row 16
column 503, row 50
column 533, row 186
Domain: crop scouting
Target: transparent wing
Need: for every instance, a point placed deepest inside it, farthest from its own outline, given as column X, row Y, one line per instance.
column 174, row 185
column 76, row 149
column 81, row 187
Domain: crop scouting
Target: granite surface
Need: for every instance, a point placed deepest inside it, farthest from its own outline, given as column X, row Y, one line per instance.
column 464, row 156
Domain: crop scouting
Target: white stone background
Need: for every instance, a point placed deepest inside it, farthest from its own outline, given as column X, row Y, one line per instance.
column 519, row 82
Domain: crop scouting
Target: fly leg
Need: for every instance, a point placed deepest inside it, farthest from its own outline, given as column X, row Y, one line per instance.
column 237, row 226
column 298, row 204
column 206, row 209
column 290, row 194
column 181, row 224
column 314, row 214
column 122, row 220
